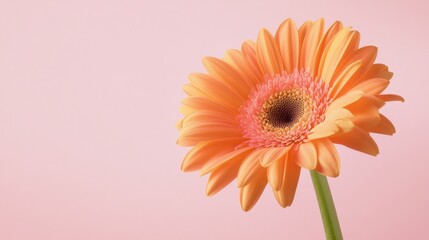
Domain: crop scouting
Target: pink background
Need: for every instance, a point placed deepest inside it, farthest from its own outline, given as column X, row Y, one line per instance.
column 89, row 92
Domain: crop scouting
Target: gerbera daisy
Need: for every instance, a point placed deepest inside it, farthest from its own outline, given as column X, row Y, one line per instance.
column 280, row 104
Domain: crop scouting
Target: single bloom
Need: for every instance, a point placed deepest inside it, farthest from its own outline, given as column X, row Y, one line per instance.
column 280, row 104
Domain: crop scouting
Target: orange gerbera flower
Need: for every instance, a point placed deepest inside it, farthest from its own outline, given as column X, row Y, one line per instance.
column 280, row 104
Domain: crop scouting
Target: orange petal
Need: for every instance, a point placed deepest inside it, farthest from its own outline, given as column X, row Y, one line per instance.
column 273, row 154
column 206, row 86
column 344, row 77
column 331, row 32
column 186, row 110
column 327, row 37
column 288, row 41
column 203, row 152
column 373, row 86
column 378, row 70
column 202, row 103
column 306, row 156
column 276, row 172
column 334, row 53
column 367, row 55
column 336, row 120
column 338, row 113
column 365, row 112
column 384, row 126
column 226, row 74
column 310, row 46
column 348, row 54
column 375, row 101
column 179, row 124
column 345, row 100
column 359, row 140
column 191, row 135
column 192, row 90
column 249, row 167
column 235, row 59
column 251, row 193
column 286, row 194
column 345, row 125
column 221, row 177
column 236, row 155
column 303, row 31
column 248, row 48
column 207, row 116
column 328, row 160
column 268, row 53
column 323, row 130
column 390, row 97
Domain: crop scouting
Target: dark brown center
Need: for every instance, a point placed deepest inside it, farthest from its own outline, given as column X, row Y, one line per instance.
column 285, row 111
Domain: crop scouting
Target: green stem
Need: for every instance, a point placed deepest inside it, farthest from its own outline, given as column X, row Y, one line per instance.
column 326, row 206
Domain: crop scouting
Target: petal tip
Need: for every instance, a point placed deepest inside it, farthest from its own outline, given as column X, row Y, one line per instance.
column 207, row 60
column 182, row 168
column 264, row 31
column 245, row 206
column 209, row 191
column 284, row 205
column 186, row 167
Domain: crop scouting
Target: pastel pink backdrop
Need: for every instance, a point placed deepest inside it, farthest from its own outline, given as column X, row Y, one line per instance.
column 89, row 92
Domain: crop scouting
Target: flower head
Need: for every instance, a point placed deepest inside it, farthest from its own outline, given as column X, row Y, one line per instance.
column 279, row 105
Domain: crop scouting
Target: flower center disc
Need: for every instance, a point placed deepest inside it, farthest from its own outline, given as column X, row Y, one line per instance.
column 283, row 109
